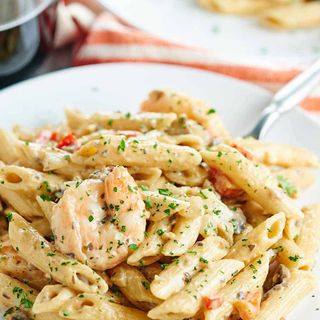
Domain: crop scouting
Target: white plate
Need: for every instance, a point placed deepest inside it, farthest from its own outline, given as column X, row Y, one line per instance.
column 124, row 86
column 182, row 21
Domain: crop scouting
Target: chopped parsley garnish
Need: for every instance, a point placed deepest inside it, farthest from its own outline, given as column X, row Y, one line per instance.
column 173, row 205
column 122, row 145
column 286, row 185
column 146, row 284
column 254, row 269
column 211, row 111
column 203, row 195
column 294, row 258
column 203, row 260
column 9, row 216
column 8, row 311
column 65, row 313
column 133, row 246
column 160, row 232
column 45, row 197
column 148, row 203
column 165, row 192
column 163, row 266
column 144, row 188
column 90, row 218
column 24, row 301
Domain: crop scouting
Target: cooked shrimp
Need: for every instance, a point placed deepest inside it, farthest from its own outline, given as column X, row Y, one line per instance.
column 98, row 222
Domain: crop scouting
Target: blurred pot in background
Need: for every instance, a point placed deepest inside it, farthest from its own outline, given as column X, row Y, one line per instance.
column 27, row 29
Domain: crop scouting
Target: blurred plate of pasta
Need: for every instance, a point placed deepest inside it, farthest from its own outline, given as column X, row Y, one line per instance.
column 230, row 28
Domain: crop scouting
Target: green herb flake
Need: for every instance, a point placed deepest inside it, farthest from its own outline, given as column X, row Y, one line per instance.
column 165, row 192
column 203, row 260
column 146, row 284
column 65, row 313
column 9, row 216
column 294, row 258
column 122, row 145
column 133, row 246
column 160, row 232
column 286, row 185
column 148, row 203
column 211, row 111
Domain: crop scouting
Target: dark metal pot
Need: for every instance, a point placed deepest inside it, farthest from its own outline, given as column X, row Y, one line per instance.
column 27, row 29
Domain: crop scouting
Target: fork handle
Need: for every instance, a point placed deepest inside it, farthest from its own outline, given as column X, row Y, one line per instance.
column 296, row 90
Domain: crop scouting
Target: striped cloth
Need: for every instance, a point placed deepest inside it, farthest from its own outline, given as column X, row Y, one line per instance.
column 112, row 40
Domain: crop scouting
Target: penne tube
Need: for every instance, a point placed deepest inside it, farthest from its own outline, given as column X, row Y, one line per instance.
column 144, row 121
column 35, row 249
column 18, row 298
column 21, row 203
column 163, row 205
column 118, row 150
column 290, row 293
column 295, row 180
column 151, row 246
column 273, row 154
column 134, row 286
column 28, row 180
column 193, row 178
column 258, row 240
column 218, row 219
column 14, row 293
column 308, row 240
column 51, row 298
column 289, row 254
column 258, row 183
column 188, row 301
column 201, row 112
column 90, row 306
column 248, row 281
column 145, row 176
column 8, row 142
column 179, row 273
column 186, row 232
column 13, row 265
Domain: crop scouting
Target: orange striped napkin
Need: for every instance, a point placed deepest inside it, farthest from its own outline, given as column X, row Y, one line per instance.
column 111, row 40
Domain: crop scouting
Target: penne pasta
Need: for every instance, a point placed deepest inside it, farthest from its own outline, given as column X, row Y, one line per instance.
column 258, row 182
column 152, row 244
column 249, row 280
column 179, row 273
column 188, row 302
column 289, row 293
column 32, row 246
column 308, row 240
column 90, row 306
column 117, row 150
column 169, row 101
column 258, row 240
column 134, row 286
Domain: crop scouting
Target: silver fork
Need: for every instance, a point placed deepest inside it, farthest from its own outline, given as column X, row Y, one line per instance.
column 286, row 99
